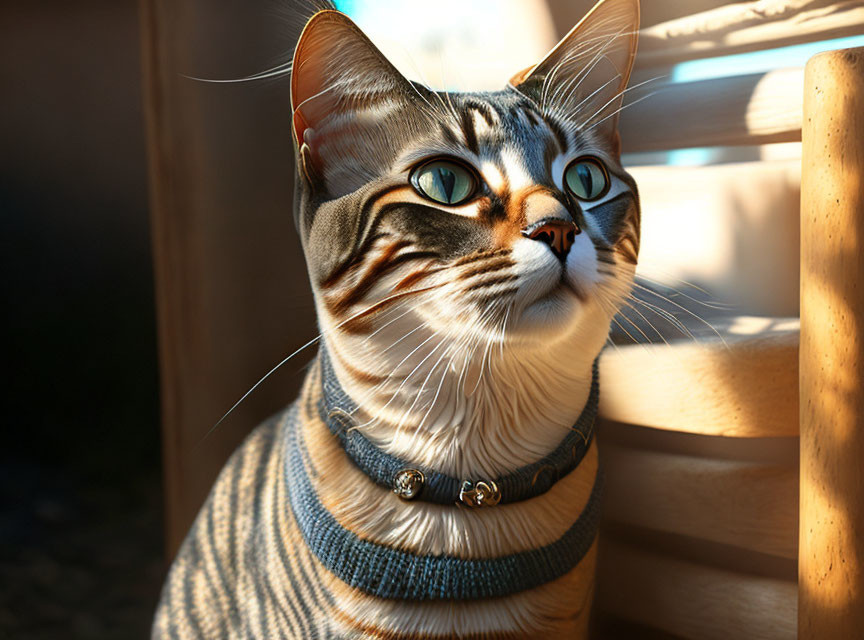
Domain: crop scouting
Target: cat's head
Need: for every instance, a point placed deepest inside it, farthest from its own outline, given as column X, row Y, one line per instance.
column 502, row 217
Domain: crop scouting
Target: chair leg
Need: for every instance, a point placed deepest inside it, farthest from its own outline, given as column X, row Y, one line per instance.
column 831, row 541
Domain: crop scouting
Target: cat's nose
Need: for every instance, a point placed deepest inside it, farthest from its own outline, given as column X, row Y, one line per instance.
column 558, row 234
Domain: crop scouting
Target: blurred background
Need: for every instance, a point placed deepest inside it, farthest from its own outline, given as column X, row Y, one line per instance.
column 81, row 478
column 80, row 483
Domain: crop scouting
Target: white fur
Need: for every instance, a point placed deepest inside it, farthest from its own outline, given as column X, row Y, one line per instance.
column 517, row 175
column 375, row 513
column 473, row 393
column 493, row 176
column 474, row 401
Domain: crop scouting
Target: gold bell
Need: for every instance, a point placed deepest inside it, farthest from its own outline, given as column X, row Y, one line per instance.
column 484, row 493
column 408, row 483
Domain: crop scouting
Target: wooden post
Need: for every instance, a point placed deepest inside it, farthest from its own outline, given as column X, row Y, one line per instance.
column 231, row 287
column 831, row 552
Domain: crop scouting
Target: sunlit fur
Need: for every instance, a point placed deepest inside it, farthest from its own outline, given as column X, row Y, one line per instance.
column 466, row 345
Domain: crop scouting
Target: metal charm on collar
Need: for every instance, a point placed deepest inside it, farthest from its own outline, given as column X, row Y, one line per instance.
column 408, row 483
column 484, row 493
column 346, row 421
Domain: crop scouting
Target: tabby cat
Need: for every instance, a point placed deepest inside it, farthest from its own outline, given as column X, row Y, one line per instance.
column 438, row 476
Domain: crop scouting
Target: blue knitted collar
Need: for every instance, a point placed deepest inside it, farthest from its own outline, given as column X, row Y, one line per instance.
column 415, row 482
column 386, row 572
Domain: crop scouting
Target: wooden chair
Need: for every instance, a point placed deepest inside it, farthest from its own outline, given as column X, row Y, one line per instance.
column 701, row 440
column 715, row 527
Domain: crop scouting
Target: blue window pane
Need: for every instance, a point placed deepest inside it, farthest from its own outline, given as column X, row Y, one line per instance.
column 758, row 61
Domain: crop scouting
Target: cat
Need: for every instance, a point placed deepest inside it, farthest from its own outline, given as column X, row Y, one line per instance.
column 438, row 476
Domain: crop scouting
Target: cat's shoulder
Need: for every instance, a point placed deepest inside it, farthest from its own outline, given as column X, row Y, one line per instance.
column 248, row 468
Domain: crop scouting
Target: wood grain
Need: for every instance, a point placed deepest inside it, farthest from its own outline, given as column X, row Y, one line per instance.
column 747, row 505
column 831, row 561
column 692, row 600
column 745, row 385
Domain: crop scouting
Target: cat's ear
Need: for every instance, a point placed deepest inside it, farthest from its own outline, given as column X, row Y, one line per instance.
column 338, row 81
column 584, row 76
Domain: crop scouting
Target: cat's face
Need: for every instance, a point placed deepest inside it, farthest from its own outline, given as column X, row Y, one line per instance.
column 503, row 216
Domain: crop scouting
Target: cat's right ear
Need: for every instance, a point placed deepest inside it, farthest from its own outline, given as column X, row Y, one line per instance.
column 338, row 77
column 585, row 75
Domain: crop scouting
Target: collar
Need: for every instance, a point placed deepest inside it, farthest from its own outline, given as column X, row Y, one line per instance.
column 416, row 482
column 388, row 572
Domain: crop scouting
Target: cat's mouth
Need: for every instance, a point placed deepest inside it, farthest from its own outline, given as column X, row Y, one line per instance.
column 562, row 285
column 564, row 289
column 551, row 308
column 568, row 285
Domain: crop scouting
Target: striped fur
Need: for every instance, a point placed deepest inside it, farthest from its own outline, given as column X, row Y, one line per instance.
column 244, row 571
column 466, row 345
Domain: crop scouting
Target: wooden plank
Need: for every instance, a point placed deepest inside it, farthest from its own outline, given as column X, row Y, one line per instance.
column 231, row 292
column 745, row 385
column 748, row 26
column 748, row 505
column 566, row 13
column 740, row 110
column 715, row 155
column 691, row 600
column 831, row 562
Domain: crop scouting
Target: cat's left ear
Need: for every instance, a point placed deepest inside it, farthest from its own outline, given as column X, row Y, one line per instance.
column 342, row 89
column 583, row 77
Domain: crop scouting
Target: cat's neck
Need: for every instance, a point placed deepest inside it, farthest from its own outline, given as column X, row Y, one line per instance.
column 464, row 412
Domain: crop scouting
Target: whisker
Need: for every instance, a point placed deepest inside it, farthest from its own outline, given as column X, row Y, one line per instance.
column 256, row 385
column 665, row 315
column 585, row 122
column 389, row 322
column 422, row 388
column 617, row 111
column 308, row 344
column 684, row 309
column 579, row 77
column 407, row 378
column 415, row 329
column 620, row 326
column 636, row 326
column 716, row 305
column 483, row 316
column 571, row 57
column 440, row 384
column 360, row 404
column 504, row 328
column 581, row 50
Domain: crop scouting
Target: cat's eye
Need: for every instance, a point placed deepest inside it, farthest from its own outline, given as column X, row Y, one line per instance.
column 587, row 178
column 444, row 181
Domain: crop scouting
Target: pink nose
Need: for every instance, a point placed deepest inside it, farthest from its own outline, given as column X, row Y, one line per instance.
column 558, row 234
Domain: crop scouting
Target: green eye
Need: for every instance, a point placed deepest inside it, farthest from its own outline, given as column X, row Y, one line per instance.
column 444, row 181
column 586, row 178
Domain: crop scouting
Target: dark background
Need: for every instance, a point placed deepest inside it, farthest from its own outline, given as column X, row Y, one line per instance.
column 80, row 481
column 80, row 525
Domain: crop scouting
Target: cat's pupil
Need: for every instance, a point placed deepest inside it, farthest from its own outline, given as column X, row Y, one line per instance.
column 446, row 181
column 584, row 173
